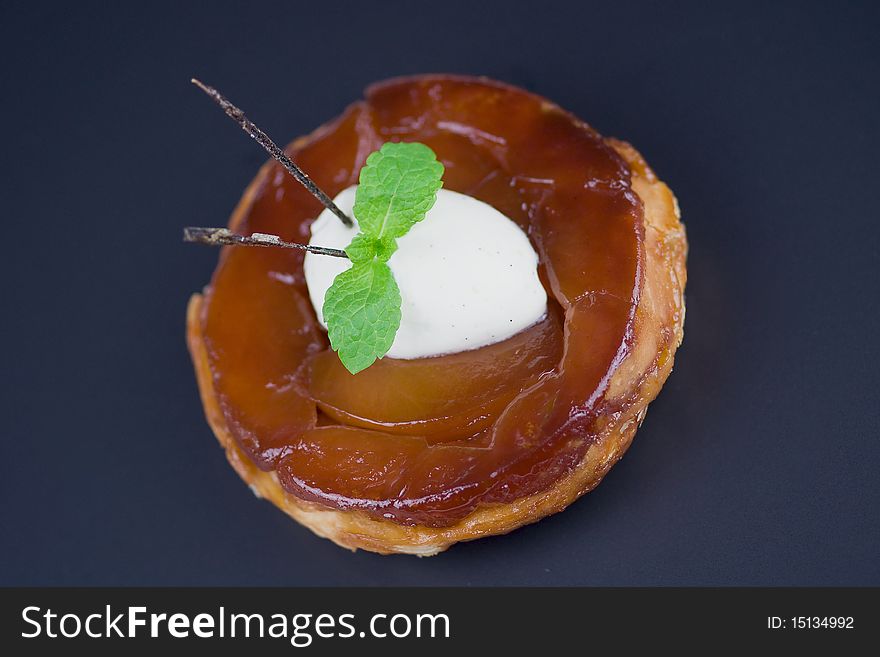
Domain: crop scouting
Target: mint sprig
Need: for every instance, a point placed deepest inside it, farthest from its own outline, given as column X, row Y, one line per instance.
column 398, row 185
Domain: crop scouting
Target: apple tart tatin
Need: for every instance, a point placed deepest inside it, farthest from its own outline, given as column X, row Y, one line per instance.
column 411, row 456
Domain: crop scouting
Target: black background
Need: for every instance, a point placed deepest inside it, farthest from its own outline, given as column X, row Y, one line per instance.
column 757, row 464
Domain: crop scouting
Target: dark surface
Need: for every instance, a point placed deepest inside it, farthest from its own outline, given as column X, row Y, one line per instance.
column 757, row 464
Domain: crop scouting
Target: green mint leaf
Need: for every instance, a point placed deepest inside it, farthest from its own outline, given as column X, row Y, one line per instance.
column 397, row 187
column 385, row 248
column 362, row 313
column 362, row 248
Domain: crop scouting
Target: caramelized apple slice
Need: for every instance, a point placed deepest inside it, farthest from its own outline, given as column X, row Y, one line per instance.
column 253, row 355
column 539, row 436
column 442, row 398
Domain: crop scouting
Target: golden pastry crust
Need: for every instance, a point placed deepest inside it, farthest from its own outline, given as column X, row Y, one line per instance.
column 658, row 333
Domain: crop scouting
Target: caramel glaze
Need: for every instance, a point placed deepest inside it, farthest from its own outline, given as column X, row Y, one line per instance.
column 426, row 441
